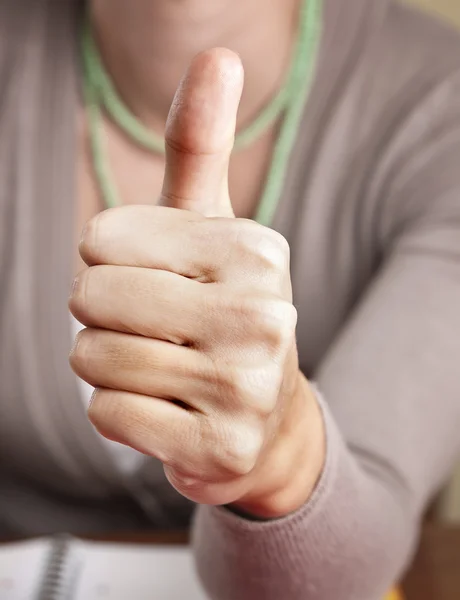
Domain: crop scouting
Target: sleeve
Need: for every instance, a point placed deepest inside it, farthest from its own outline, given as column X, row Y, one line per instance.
column 390, row 385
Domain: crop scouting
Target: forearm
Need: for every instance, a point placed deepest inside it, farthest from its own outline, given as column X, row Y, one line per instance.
column 350, row 540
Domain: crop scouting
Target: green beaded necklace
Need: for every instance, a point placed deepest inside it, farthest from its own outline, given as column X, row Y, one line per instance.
column 101, row 95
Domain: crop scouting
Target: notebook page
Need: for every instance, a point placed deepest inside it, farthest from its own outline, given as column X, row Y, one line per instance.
column 119, row 572
column 22, row 568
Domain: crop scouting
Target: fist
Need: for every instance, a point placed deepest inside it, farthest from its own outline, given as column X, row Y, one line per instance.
column 190, row 327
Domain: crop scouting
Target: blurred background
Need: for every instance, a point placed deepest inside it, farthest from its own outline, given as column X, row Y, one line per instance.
column 449, row 9
column 448, row 506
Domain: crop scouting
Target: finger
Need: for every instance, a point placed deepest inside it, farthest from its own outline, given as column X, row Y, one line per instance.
column 140, row 301
column 200, row 133
column 251, row 254
column 165, row 306
column 184, row 441
column 130, row 363
column 153, row 426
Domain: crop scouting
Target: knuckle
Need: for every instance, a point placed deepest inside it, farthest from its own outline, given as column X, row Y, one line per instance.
column 236, row 448
column 186, row 143
column 234, row 233
column 263, row 384
column 274, row 250
column 234, row 386
column 249, row 308
column 277, row 322
column 254, row 390
column 264, row 246
column 272, row 319
column 187, row 484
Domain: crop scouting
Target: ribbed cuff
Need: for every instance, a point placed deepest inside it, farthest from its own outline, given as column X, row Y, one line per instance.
column 348, row 540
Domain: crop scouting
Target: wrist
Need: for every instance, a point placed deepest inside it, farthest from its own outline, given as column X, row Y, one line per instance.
column 292, row 465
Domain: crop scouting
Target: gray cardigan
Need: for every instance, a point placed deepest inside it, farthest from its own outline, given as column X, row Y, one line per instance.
column 371, row 208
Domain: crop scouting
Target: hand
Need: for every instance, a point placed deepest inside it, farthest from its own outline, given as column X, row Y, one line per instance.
column 190, row 339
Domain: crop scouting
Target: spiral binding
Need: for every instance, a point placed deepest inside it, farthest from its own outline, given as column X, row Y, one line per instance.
column 62, row 570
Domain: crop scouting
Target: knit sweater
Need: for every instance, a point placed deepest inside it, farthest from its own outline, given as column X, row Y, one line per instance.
column 371, row 209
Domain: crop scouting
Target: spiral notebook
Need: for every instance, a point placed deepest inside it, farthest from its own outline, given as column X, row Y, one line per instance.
column 65, row 568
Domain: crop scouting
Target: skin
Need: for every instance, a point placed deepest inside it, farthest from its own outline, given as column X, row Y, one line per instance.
column 190, row 338
column 147, row 45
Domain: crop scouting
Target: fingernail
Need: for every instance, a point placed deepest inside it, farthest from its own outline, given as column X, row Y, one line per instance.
column 83, row 233
column 74, row 286
column 91, row 400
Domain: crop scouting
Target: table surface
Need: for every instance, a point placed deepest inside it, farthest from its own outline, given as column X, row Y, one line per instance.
column 434, row 575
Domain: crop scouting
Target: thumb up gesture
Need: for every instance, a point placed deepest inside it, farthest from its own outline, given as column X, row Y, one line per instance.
column 190, row 338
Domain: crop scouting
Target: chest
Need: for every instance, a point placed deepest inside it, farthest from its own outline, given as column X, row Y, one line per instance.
column 333, row 259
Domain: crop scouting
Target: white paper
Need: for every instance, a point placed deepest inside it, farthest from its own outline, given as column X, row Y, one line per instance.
column 22, row 568
column 100, row 571
column 124, row 572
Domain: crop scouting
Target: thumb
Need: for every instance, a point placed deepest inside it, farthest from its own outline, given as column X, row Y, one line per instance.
column 200, row 132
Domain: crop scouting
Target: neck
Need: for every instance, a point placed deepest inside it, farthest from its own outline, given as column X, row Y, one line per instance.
column 147, row 45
